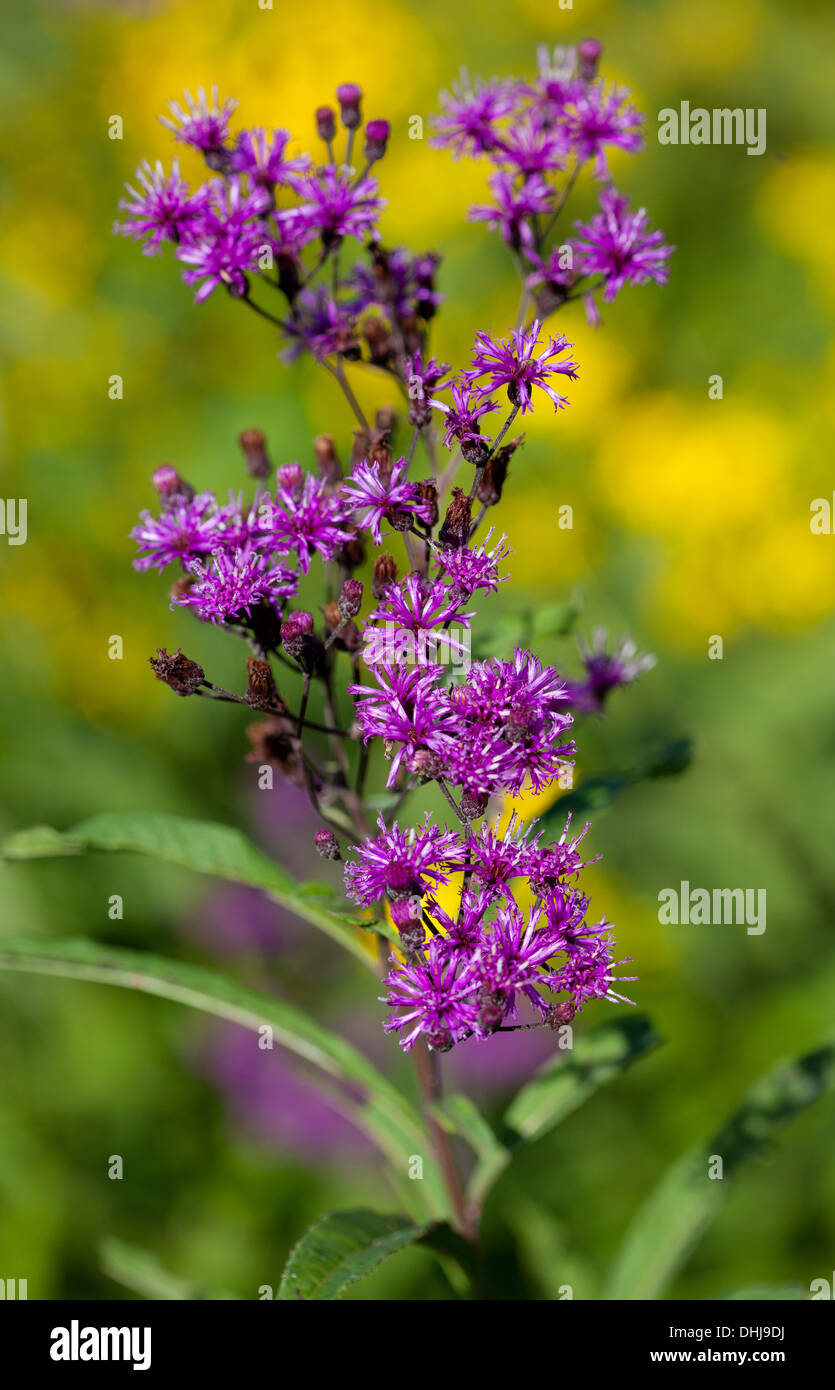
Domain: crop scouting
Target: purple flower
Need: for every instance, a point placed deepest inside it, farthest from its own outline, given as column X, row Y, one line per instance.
column 557, row 83
column 229, row 241
column 496, row 859
column 402, row 863
column 435, row 997
column 511, row 719
column 547, row 865
column 372, row 497
column 510, row 960
column 617, row 245
column 462, row 417
column 336, row 206
column 204, row 124
column 308, row 522
column 263, row 157
column 472, row 111
column 421, row 608
column 186, row 529
column 514, row 363
column 533, row 148
column 513, row 206
column 473, row 568
column 162, row 211
column 605, row 671
column 588, row 970
column 406, row 708
column 397, row 282
column 599, row 117
column 229, row 585
column 321, row 326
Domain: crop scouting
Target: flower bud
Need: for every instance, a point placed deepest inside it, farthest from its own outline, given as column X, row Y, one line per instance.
column 291, row 478
column 183, row 676
column 254, row 445
column 350, row 598
column 429, row 493
column 325, row 123
column 360, row 446
column 472, row 806
column 261, row 691
column 326, row 458
column 560, row 1013
column 588, row 53
column 170, row 486
column 455, row 531
column 352, row 554
column 385, row 421
column 376, row 139
column 407, row 915
column 426, row 764
column 349, row 96
column 385, row 573
column 327, row 844
column 495, row 472
column 379, row 340
column 299, row 640
column 348, row 638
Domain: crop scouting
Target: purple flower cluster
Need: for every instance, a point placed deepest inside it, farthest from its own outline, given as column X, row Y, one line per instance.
column 276, row 219
column 230, row 553
column 538, row 136
column 467, row 976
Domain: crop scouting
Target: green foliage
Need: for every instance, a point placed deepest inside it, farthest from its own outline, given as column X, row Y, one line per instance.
column 674, row 1216
column 206, row 847
column 340, row 1249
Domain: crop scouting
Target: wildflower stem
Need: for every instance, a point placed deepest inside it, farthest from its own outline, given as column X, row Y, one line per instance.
column 429, row 1079
column 451, row 799
column 271, row 318
column 339, row 373
column 566, row 194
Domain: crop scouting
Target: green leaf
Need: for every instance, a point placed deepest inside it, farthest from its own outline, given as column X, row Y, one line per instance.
column 383, row 1112
column 596, row 794
column 142, row 1272
column 342, row 1248
column 210, row 849
column 674, row 1216
column 459, row 1115
column 508, row 631
column 597, row 1058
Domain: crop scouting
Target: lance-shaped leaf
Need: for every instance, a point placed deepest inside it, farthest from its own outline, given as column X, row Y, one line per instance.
column 206, row 847
column 382, row 1111
column 342, row 1248
column 674, row 1216
column 562, row 1086
column 768, row 1293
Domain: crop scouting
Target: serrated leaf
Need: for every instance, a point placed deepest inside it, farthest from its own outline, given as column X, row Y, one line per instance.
column 208, row 848
column 564, row 1084
column 341, row 1249
column 381, row 1111
column 678, row 1210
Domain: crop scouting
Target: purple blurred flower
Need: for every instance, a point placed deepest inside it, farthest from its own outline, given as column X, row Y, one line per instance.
column 513, row 207
column 603, row 116
column 228, row 243
column 204, row 124
column 472, row 112
column 321, row 326
column 263, row 157
column 338, row 207
column 163, row 210
column 605, row 671
column 532, row 147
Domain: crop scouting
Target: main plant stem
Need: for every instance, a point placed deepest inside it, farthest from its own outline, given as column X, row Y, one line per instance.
column 428, row 1070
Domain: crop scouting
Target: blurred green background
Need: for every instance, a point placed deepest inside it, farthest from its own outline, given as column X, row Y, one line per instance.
column 691, row 521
